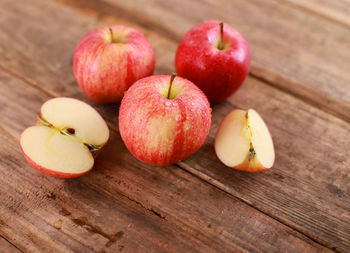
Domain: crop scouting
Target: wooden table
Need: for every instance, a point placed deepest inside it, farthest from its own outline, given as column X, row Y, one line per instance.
column 299, row 82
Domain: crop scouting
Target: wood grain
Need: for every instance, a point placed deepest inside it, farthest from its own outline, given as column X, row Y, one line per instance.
column 339, row 237
column 123, row 203
column 56, row 215
column 306, row 190
column 5, row 246
column 333, row 182
column 335, row 11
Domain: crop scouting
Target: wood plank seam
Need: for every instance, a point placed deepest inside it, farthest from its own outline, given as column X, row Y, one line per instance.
column 203, row 177
column 307, row 99
column 14, row 245
column 314, row 12
column 105, row 9
column 207, row 179
column 149, row 209
column 26, row 80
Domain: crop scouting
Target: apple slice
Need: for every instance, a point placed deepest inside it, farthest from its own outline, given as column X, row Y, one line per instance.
column 243, row 142
column 68, row 136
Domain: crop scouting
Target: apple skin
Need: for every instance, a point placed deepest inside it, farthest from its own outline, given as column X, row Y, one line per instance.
column 219, row 73
column 105, row 70
column 251, row 166
column 52, row 172
column 162, row 131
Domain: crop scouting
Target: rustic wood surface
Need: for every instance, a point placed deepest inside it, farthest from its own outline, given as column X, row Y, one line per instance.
column 299, row 82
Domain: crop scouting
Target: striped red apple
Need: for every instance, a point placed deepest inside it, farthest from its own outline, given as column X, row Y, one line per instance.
column 164, row 119
column 108, row 60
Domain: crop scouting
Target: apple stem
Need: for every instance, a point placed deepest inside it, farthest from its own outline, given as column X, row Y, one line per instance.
column 111, row 32
column 173, row 75
column 221, row 42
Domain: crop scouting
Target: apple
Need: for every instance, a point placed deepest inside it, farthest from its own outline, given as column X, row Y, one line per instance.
column 164, row 119
column 108, row 60
column 66, row 139
column 215, row 57
column 243, row 142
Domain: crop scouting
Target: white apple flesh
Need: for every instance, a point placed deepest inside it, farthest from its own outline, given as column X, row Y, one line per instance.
column 66, row 139
column 243, row 142
column 50, row 149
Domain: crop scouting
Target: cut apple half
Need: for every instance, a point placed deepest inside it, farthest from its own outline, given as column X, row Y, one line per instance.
column 243, row 142
column 68, row 136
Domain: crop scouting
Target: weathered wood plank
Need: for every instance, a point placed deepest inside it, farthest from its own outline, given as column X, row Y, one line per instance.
column 55, row 76
column 303, row 54
column 123, row 203
column 308, row 186
column 325, row 183
column 335, row 11
column 340, row 237
column 7, row 247
column 32, row 205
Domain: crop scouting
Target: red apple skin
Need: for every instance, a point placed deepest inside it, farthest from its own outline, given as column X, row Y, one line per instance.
column 52, row 172
column 219, row 73
column 247, row 167
column 105, row 70
column 160, row 131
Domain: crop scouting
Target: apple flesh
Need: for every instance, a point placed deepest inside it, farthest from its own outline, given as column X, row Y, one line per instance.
column 67, row 137
column 108, row 60
column 243, row 142
column 215, row 57
column 164, row 119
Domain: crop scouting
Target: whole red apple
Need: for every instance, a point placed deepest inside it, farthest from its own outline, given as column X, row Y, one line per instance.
column 215, row 57
column 108, row 60
column 163, row 119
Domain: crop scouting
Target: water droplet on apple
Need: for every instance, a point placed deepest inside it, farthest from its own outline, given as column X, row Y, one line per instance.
column 178, row 118
column 167, row 103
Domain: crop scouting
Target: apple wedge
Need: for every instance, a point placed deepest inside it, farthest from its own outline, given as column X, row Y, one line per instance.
column 243, row 142
column 68, row 136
